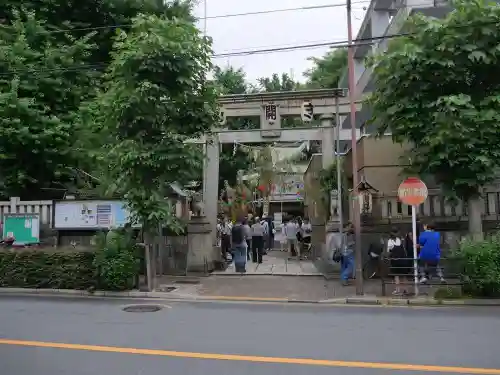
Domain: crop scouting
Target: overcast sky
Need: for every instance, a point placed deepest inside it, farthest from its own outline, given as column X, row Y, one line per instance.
column 276, row 30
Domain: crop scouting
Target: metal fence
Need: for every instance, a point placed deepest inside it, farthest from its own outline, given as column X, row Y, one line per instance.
column 172, row 256
column 447, row 272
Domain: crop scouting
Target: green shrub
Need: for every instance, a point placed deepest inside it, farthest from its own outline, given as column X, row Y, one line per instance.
column 113, row 266
column 116, row 260
column 448, row 293
column 480, row 266
column 40, row 269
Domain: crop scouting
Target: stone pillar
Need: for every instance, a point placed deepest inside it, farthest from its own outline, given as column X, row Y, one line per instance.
column 318, row 235
column 328, row 140
column 201, row 252
column 211, row 185
column 333, row 240
column 333, row 223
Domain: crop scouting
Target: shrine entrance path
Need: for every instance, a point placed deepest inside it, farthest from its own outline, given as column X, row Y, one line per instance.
column 276, row 263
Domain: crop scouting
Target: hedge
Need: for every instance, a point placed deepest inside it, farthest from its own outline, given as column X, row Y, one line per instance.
column 54, row 270
column 480, row 266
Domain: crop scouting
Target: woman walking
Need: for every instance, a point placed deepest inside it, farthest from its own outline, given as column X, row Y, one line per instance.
column 398, row 260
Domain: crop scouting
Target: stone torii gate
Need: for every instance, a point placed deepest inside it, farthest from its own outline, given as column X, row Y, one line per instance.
column 270, row 107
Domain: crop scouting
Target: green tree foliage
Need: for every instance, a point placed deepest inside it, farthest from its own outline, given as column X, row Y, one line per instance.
column 233, row 81
column 327, row 70
column 54, row 67
column 230, row 80
column 278, row 83
column 102, row 16
column 156, row 97
column 41, row 87
column 439, row 90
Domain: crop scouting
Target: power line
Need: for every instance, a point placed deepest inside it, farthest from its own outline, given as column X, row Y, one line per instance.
column 333, row 45
column 341, row 44
column 220, row 16
column 283, row 10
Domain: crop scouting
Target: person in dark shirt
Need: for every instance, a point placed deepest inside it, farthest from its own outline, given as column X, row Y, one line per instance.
column 239, row 246
column 374, row 263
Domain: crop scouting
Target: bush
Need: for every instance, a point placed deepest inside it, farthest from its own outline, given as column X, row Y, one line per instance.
column 113, row 266
column 116, row 260
column 481, row 266
column 40, row 269
column 448, row 293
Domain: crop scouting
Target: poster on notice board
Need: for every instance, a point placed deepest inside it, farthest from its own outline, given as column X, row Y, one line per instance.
column 90, row 214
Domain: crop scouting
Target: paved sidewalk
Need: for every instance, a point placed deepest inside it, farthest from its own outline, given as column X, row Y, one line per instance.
column 275, row 263
column 300, row 288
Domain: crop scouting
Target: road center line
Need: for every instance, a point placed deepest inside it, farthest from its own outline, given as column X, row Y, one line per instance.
column 257, row 359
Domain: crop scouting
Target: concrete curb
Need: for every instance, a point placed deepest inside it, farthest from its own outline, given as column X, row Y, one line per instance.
column 72, row 292
column 421, row 302
column 224, row 274
column 367, row 300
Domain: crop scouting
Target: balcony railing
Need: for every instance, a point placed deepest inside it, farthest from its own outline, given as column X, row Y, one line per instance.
column 437, row 206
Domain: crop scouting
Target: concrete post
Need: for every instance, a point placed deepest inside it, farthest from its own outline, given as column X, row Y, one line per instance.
column 327, row 141
column 201, row 251
column 322, row 231
column 211, row 185
column 13, row 204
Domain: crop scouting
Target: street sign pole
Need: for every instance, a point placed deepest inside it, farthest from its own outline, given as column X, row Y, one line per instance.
column 415, row 254
column 413, row 192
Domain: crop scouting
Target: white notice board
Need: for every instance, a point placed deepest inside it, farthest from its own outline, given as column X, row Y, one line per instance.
column 89, row 214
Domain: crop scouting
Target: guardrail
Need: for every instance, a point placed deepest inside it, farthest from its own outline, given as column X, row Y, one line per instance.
column 399, row 273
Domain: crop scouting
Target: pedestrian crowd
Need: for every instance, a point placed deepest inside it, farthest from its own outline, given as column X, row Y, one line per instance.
column 399, row 252
column 251, row 238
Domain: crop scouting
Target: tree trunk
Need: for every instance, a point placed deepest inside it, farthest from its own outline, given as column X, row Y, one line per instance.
column 149, row 249
column 475, row 208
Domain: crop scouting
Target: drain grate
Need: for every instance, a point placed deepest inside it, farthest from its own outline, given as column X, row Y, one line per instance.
column 142, row 308
column 166, row 289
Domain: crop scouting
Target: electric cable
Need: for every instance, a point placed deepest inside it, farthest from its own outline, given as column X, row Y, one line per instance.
column 332, row 45
column 220, row 16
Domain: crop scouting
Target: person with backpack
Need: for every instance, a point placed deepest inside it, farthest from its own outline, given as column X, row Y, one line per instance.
column 399, row 262
column 239, row 246
column 346, row 255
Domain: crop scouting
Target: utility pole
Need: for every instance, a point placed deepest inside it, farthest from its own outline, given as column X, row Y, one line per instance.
column 205, row 17
column 355, row 179
column 339, row 173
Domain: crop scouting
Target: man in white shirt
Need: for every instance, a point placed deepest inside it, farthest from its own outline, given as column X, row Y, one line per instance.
column 225, row 231
column 265, row 225
column 290, row 230
column 306, row 233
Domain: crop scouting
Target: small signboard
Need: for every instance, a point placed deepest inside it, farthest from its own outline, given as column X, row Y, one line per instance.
column 413, row 191
column 24, row 228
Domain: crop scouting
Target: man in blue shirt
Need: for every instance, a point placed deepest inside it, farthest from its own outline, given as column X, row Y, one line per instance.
column 430, row 253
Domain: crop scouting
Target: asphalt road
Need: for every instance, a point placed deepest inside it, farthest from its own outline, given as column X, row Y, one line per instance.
column 94, row 336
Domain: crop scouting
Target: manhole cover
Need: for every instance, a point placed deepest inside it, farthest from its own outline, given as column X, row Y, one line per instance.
column 166, row 289
column 142, row 308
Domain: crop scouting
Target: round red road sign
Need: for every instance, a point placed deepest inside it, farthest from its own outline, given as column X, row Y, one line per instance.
column 412, row 191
